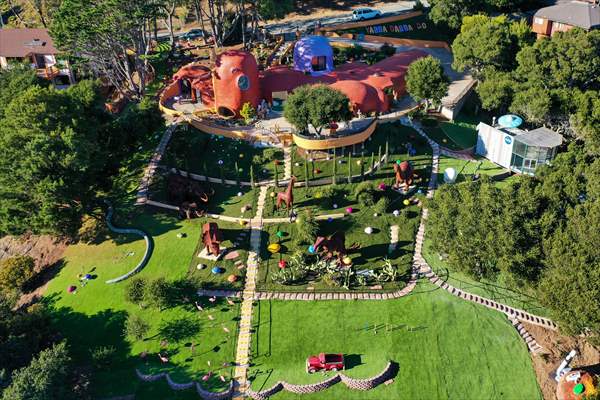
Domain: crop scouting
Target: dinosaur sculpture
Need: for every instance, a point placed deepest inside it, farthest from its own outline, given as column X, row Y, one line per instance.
column 212, row 237
column 404, row 174
column 287, row 196
column 335, row 243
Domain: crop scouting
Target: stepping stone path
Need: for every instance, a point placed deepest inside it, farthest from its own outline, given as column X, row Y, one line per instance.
column 287, row 163
column 394, row 229
column 242, row 358
column 232, row 255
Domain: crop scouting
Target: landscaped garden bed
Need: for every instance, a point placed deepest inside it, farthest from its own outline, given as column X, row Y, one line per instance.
column 374, row 266
column 445, row 347
column 217, row 156
column 466, row 170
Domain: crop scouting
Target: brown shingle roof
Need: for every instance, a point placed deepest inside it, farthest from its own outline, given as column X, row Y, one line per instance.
column 21, row 42
column 575, row 13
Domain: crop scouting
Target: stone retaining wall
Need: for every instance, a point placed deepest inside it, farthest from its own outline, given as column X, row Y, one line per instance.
column 357, row 384
column 203, row 393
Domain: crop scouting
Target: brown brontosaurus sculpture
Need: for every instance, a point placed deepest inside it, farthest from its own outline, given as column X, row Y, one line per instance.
column 212, row 238
column 336, row 243
column 404, row 174
column 287, row 197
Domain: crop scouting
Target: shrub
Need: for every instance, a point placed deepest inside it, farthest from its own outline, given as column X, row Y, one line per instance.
column 366, row 199
column 306, row 228
column 418, row 6
column 157, row 293
column 103, row 355
column 135, row 290
column 362, row 187
column 271, row 153
column 382, row 205
column 248, row 112
column 388, row 50
column 136, row 327
column 327, row 196
column 15, row 272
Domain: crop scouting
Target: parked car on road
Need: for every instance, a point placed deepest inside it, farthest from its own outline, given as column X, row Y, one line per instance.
column 360, row 14
column 191, row 34
column 325, row 362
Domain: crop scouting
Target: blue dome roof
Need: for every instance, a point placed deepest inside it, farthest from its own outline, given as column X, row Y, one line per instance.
column 307, row 48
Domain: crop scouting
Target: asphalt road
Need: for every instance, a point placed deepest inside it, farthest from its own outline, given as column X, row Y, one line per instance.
column 306, row 24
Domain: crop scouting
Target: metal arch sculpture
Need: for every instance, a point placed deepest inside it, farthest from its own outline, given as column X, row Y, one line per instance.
column 212, row 238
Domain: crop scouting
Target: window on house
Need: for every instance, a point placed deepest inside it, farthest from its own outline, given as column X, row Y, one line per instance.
column 319, row 63
column 538, row 21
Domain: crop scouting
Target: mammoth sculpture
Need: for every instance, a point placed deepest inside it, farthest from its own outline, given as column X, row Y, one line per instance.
column 189, row 194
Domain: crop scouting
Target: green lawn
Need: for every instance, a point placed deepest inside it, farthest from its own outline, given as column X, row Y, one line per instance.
column 466, row 169
column 487, row 288
column 446, row 348
column 198, row 152
column 373, row 248
column 95, row 315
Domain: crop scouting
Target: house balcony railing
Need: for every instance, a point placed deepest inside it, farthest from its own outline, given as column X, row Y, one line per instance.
column 48, row 72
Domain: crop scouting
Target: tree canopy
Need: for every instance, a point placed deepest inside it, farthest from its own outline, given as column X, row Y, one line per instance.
column 538, row 233
column 60, row 149
column 426, row 80
column 318, row 106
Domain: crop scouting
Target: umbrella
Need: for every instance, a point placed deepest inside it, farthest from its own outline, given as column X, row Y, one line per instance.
column 510, row 121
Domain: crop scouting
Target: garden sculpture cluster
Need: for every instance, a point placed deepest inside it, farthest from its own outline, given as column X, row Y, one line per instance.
column 404, row 174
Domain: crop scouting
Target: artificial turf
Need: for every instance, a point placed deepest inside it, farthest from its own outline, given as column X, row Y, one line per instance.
column 445, row 347
column 466, row 169
column 95, row 315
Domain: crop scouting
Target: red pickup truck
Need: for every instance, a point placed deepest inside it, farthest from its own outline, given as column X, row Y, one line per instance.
column 327, row 362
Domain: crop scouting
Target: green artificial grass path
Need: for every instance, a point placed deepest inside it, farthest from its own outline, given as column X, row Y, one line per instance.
column 95, row 315
column 446, row 348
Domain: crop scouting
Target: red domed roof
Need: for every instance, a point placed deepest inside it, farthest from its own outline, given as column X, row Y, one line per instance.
column 362, row 96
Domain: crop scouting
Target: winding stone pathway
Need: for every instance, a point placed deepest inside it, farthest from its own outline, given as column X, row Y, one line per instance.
column 242, row 357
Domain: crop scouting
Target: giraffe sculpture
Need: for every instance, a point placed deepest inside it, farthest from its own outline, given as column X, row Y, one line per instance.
column 287, row 197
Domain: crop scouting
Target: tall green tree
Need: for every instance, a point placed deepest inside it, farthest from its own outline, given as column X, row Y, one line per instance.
column 113, row 37
column 316, row 106
column 486, row 42
column 43, row 379
column 427, row 81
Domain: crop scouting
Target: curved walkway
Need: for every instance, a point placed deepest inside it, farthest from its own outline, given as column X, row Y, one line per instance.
column 130, row 231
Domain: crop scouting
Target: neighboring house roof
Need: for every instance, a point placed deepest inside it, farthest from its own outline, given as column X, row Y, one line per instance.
column 541, row 137
column 575, row 13
column 22, row 42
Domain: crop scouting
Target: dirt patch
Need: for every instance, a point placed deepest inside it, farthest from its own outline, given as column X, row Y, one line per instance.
column 557, row 347
column 47, row 251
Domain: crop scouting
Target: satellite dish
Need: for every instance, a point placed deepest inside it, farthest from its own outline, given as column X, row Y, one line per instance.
column 450, row 175
column 510, row 121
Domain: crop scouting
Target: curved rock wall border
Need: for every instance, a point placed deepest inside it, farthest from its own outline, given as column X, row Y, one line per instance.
column 130, row 231
column 203, row 393
column 357, row 384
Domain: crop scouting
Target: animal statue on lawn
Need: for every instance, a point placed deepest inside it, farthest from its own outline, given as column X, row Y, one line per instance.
column 287, row 196
column 189, row 194
column 335, row 243
column 404, row 174
column 212, row 238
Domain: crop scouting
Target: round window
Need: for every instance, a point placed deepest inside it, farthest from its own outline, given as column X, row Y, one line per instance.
column 243, row 82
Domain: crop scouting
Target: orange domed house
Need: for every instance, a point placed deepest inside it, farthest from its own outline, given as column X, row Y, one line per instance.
column 235, row 79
